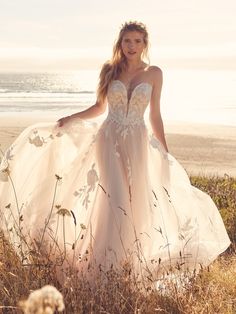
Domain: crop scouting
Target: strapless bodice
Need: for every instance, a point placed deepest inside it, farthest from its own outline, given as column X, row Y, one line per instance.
column 124, row 110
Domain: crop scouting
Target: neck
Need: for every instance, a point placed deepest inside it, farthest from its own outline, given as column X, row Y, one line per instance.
column 133, row 65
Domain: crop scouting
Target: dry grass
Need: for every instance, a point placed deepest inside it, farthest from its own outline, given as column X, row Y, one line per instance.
column 212, row 291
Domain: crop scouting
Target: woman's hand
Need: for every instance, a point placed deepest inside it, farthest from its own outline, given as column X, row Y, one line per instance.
column 63, row 121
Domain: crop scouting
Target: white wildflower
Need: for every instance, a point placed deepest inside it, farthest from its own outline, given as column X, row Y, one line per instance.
column 43, row 301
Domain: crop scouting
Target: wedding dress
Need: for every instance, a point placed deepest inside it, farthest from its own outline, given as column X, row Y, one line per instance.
column 106, row 193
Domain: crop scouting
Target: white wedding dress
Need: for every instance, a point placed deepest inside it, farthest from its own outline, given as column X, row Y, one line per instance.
column 105, row 193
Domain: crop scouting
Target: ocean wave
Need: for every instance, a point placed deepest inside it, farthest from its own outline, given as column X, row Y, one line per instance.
column 43, row 92
column 40, row 108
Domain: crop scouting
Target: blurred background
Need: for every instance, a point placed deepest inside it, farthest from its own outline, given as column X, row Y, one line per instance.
column 51, row 53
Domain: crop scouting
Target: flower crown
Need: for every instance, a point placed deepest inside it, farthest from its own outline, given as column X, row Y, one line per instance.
column 133, row 24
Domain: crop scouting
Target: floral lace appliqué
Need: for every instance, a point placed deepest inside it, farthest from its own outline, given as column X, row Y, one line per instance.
column 84, row 192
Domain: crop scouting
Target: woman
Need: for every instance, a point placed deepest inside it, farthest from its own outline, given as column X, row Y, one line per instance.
column 104, row 194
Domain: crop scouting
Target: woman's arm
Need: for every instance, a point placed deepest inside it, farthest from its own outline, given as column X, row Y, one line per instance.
column 97, row 109
column 155, row 111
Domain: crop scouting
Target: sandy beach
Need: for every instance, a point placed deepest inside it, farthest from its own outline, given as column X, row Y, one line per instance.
column 203, row 149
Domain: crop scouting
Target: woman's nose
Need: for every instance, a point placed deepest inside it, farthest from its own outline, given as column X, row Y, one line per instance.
column 131, row 45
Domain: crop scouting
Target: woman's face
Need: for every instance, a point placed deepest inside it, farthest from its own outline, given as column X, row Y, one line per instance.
column 132, row 44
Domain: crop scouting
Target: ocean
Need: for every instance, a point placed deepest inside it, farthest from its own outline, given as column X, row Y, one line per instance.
column 188, row 95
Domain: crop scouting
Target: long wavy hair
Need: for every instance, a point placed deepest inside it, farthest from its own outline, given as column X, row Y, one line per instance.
column 112, row 68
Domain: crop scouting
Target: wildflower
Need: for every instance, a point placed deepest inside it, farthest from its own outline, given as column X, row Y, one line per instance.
column 58, row 177
column 4, row 170
column 82, row 226
column 3, row 176
column 63, row 212
column 46, row 300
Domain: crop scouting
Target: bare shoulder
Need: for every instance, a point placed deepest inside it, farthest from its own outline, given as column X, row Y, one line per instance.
column 155, row 77
column 155, row 69
column 155, row 73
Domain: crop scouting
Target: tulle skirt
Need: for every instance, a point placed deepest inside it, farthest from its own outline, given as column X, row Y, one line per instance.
column 105, row 193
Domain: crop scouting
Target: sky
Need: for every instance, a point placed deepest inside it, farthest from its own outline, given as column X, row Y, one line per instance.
column 49, row 35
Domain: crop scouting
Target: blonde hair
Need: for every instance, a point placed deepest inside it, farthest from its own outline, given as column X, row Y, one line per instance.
column 112, row 68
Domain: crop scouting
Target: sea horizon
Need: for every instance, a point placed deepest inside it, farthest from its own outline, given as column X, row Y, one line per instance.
column 188, row 95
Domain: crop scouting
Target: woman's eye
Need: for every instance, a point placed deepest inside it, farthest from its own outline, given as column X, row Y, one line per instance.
column 138, row 41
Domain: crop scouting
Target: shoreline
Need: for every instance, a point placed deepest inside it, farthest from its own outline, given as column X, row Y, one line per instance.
column 202, row 149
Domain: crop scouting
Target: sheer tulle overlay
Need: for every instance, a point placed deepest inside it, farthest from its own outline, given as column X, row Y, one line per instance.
column 106, row 193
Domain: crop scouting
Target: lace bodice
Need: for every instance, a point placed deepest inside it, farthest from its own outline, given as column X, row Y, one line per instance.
column 124, row 110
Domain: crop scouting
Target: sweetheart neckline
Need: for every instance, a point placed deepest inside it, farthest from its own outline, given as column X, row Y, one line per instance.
column 132, row 93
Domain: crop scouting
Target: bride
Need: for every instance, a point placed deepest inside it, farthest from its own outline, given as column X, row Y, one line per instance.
column 104, row 193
